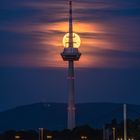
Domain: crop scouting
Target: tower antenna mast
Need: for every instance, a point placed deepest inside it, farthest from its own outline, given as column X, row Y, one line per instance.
column 70, row 25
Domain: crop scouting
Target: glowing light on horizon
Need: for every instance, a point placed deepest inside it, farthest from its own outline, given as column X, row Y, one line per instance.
column 76, row 40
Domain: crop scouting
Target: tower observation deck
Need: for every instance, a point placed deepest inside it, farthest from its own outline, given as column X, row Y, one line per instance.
column 71, row 54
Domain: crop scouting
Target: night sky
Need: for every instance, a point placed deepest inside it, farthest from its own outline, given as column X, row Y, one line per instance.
column 32, row 70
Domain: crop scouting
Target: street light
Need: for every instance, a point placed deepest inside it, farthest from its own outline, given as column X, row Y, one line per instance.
column 41, row 133
column 113, row 133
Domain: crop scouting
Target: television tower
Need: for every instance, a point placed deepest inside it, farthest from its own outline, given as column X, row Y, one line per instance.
column 71, row 54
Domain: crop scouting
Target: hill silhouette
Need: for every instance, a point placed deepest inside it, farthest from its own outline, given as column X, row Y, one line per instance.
column 53, row 116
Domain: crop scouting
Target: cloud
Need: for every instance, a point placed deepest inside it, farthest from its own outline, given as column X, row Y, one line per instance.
column 31, row 32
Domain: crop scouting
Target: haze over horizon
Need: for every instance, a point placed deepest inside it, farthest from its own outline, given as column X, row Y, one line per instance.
column 31, row 67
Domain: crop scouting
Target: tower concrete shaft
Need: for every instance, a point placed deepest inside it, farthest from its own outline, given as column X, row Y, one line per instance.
column 71, row 95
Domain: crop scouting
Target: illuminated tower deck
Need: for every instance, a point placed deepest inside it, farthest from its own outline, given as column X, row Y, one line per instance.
column 71, row 54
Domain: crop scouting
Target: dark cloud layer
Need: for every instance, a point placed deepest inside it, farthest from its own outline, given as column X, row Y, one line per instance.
column 31, row 33
column 31, row 25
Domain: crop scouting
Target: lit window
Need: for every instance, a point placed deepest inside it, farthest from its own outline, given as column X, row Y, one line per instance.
column 49, row 137
column 17, row 137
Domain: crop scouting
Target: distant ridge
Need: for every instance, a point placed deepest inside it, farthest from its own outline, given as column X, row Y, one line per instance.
column 54, row 115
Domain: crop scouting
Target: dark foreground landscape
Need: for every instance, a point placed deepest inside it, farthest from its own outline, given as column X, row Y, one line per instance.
column 53, row 116
column 43, row 121
column 79, row 133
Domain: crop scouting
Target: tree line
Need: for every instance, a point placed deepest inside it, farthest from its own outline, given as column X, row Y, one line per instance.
column 84, row 132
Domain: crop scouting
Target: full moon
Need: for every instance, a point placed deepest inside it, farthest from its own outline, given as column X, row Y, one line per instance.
column 76, row 40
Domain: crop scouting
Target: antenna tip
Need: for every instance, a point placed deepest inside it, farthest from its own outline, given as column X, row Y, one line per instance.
column 70, row 2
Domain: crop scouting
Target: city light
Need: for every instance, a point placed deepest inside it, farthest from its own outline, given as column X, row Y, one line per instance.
column 128, row 139
column 83, row 137
column 49, row 136
column 17, row 137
